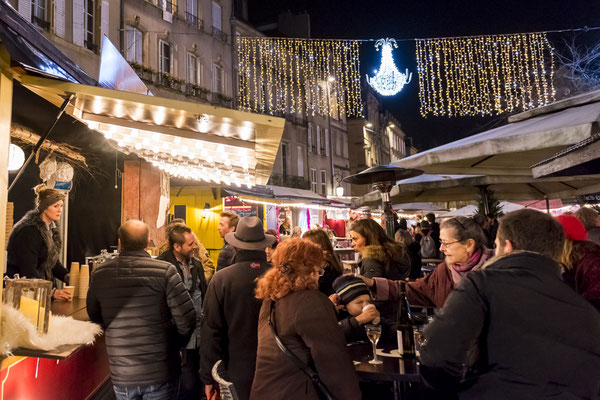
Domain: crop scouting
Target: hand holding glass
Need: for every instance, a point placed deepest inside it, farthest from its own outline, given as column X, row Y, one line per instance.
column 374, row 333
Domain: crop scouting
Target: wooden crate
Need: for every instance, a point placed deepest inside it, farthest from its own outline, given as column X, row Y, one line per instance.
column 10, row 216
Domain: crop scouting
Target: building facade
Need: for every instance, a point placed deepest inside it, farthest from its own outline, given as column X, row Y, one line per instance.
column 375, row 139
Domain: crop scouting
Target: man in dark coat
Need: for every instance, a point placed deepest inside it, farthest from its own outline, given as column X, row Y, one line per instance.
column 523, row 332
column 229, row 331
column 147, row 315
column 227, row 224
column 182, row 244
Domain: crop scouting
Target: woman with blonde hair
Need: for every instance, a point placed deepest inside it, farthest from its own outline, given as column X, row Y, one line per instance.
column 305, row 321
column 333, row 267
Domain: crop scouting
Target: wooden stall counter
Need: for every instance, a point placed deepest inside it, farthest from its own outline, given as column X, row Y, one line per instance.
column 69, row 372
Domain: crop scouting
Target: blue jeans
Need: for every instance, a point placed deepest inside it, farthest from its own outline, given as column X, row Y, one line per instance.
column 165, row 391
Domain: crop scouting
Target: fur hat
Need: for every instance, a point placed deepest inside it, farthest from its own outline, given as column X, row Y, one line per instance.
column 574, row 229
column 46, row 197
column 349, row 287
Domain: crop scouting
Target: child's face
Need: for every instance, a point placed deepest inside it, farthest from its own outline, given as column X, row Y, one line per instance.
column 355, row 307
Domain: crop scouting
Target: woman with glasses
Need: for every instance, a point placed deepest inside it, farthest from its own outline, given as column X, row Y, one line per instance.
column 333, row 265
column 305, row 321
column 464, row 245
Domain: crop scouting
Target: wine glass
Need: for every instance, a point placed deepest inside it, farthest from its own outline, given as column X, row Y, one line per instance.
column 374, row 333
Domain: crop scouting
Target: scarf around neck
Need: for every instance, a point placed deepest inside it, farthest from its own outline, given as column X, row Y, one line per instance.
column 475, row 261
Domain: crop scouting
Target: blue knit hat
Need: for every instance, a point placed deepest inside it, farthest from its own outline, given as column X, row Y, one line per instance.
column 349, row 287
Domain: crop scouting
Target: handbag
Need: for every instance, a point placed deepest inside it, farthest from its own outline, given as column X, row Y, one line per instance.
column 323, row 392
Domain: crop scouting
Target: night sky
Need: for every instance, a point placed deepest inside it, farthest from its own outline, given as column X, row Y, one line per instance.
column 354, row 19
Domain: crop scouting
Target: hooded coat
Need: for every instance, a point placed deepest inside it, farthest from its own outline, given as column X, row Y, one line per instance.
column 33, row 249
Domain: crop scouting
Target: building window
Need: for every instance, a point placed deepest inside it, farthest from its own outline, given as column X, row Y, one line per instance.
column 133, row 44
column 313, row 180
column 192, row 69
column 216, row 16
column 89, row 25
column 323, row 181
column 300, row 161
column 217, row 79
column 325, row 147
column 38, row 13
column 310, row 138
column 164, row 57
column 284, row 158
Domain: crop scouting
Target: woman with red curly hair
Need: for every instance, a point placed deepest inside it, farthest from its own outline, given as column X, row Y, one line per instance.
column 306, row 322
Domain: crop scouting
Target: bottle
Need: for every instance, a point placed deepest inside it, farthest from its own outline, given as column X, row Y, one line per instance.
column 404, row 326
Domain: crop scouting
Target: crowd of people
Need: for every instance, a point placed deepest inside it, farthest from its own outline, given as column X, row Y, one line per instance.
column 517, row 303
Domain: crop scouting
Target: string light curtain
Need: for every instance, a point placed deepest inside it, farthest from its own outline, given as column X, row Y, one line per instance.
column 299, row 76
column 484, row 75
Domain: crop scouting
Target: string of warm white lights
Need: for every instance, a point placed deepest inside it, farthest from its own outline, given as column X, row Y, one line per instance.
column 299, row 76
column 292, row 205
column 484, row 75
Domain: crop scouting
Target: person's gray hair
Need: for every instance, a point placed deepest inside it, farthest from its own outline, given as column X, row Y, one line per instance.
column 464, row 229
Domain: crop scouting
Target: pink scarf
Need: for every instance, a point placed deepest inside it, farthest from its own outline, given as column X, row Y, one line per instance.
column 477, row 259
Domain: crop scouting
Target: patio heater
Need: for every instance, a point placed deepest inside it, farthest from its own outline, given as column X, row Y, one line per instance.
column 383, row 178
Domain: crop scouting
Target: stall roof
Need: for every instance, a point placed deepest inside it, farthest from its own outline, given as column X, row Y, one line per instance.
column 513, row 148
column 466, row 188
column 190, row 140
column 280, row 194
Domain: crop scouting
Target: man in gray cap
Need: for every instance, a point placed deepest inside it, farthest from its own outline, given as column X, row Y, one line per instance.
column 229, row 331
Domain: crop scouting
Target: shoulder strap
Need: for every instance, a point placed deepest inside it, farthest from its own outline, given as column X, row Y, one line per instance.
column 297, row 362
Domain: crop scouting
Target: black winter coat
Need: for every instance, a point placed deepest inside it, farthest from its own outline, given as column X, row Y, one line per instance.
column 28, row 253
column 147, row 314
column 229, row 331
column 226, row 257
column 198, row 279
column 536, row 337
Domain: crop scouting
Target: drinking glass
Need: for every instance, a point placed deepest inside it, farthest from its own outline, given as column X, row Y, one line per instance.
column 374, row 333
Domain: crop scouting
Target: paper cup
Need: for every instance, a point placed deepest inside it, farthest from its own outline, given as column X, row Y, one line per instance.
column 70, row 289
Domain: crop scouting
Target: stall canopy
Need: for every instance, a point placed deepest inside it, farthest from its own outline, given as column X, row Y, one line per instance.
column 470, row 210
column 512, row 149
column 279, row 195
column 188, row 140
column 442, row 188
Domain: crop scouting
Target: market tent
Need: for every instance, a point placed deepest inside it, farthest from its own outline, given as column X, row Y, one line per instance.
column 512, row 149
column 422, row 206
column 185, row 139
column 471, row 210
column 443, row 188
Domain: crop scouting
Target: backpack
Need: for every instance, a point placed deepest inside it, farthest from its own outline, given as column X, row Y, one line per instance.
column 428, row 248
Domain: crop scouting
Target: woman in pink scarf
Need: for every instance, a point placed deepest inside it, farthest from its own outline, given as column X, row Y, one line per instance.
column 463, row 244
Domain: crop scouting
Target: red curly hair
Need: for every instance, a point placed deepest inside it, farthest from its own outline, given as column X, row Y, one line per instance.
column 294, row 262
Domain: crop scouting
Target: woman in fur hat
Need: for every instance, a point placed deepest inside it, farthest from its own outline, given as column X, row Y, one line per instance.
column 34, row 244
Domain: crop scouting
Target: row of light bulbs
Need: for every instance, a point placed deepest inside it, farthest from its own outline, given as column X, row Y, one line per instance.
column 484, row 75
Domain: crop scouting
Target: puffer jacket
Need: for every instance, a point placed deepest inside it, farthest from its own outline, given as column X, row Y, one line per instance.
column 147, row 314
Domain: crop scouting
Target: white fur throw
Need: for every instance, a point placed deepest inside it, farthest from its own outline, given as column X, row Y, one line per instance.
column 17, row 331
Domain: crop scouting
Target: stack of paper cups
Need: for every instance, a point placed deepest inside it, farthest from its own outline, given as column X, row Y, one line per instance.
column 84, row 281
column 74, row 277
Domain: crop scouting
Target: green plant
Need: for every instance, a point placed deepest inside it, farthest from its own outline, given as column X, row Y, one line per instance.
column 493, row 204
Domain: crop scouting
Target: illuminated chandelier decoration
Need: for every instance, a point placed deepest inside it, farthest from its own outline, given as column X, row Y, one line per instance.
column 484, row 75
column 388, row 81
column 299, row 76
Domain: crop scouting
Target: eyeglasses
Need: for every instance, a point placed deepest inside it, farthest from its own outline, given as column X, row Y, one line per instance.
column 442, row 244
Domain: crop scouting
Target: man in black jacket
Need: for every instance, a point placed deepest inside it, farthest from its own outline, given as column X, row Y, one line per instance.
column 227, row 224
column 229, row 330
column 182, row 244
column 523, row 332
column 147, row 315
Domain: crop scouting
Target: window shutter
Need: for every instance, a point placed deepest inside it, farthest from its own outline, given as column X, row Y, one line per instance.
column 25, row 9
column 326, row 142
column 104, row 18
column 216, row 16
column 138, row 46
column 318, row 139
column 130, row 43
column 300, row 161
column 59, row 18
column 310, row 134
column 78, row 11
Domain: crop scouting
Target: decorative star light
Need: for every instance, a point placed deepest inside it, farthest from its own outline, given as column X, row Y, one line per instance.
column 388, row 81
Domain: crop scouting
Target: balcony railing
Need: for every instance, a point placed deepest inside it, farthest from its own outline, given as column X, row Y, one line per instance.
column 219, row 34
column 297, row 182
column 194, row 20
column 42, row 23
column 167, row 5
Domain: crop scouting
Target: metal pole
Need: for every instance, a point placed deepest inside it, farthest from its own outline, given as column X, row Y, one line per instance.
column 547, row 204
column 389, row 217
column 484, row 198
column 330, row 137
column 42, row 138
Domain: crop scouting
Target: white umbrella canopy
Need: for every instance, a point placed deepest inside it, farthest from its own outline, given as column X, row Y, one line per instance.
column 421, row 206
column 444, row 188
column 513, row 148
column 470, row 210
